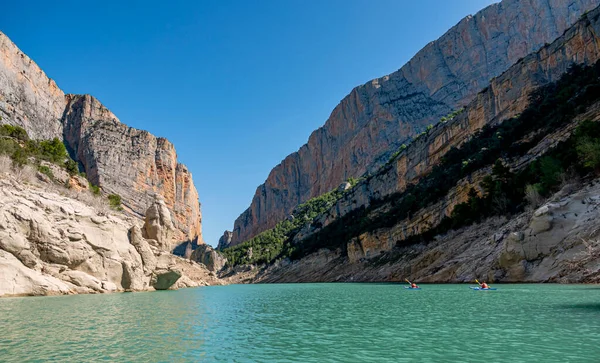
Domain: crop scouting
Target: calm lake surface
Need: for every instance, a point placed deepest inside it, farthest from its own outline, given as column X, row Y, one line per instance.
column 308, row 323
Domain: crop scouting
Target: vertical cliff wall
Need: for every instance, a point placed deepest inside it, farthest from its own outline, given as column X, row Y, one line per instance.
column 506, row 96
column 363, row 237
column 28, row 98
column 122, row 160
column 377, row 117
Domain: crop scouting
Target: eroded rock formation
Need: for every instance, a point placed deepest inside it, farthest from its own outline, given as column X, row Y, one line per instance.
column 158, row 225
column 225, row 240
column 122, row 160
column 206, row 255
column 54, row 244
column 377, row 117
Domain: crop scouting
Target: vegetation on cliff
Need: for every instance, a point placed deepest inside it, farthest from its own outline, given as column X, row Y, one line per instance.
column 503, row 192
column 273, row 243
column 15, row 143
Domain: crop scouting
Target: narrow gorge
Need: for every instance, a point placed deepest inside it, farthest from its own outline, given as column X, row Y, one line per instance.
column 486, row 164
column 378, row 117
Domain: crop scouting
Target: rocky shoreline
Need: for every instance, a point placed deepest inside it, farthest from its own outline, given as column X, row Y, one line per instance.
column 54, row 242
column 559, row 242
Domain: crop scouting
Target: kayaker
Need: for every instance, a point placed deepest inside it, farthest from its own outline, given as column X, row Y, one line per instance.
column 412, row 284
column 483, row 285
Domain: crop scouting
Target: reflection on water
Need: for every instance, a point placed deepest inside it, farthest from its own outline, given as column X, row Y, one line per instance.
column 308, row 323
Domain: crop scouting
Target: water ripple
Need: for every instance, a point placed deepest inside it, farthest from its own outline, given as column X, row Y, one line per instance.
column 308, row 323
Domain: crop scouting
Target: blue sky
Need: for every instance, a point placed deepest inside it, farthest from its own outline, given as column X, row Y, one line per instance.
column 235, row 85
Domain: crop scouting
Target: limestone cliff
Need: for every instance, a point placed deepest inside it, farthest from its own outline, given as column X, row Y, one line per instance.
column 557, row 242
column 379, row 116
column 122, row 160
column 225, row 240
column 61, row 241
column 132, row 163
column 506, row 96
column 28, row 98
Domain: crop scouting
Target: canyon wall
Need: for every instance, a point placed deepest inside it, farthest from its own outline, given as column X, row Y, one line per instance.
column 556, row 242
column 379, row 116
column 28, row 98
column 122, row 160
column 506, row 96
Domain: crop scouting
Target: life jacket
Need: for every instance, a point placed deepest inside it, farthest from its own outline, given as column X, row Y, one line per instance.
column 484, row 286
column 414, row 286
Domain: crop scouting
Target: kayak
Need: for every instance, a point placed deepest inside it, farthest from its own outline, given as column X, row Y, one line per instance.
column 412, row 288
column 480, row 289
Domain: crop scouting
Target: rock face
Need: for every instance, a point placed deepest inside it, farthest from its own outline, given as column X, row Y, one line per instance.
column 122, row 160
column 158, row 225
column 379, row 116
column 27, row 97
column 212, row 259
column 506, row 96
column 225, row 240
column 557, row 242
column 54, row 244
column 566, row 249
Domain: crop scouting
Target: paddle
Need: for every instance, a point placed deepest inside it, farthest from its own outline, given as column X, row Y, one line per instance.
column 409, row 284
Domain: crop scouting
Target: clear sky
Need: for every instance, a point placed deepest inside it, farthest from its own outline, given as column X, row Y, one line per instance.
column 235, row 85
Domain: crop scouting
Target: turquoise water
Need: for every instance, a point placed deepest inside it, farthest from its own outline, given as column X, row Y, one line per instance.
column 308, row 323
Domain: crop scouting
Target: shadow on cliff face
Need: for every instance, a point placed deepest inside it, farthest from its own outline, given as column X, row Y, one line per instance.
column 184, row 249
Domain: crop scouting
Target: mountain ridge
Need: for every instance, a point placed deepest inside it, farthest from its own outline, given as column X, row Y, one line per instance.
column 505, row 189
column 381, row 114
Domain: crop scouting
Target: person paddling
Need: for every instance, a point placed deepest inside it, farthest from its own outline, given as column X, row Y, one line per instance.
column 483, row 285
column 412, row 285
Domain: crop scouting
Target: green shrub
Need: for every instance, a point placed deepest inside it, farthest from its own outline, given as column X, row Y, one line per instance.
column 115, row 201
column 71, row 166
column 16, row 132
column 588, row 145
column 19, row 156
column 452, row 115
column 15, row 142
column 54, row 150
column 589, row 151
column 550, row 174
column 395, row 155
column 94, row 189
column 8, row 146
column 274, row 243
column 46, row 170
column 354, row 181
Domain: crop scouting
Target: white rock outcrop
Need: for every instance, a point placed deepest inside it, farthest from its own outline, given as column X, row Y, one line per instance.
column 55, row 244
